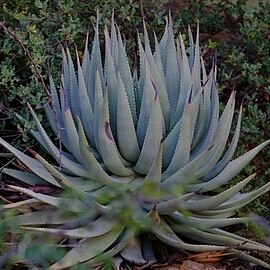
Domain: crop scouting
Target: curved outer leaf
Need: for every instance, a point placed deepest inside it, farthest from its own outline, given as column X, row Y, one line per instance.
column 221, row 137
column 210, row 238
column 208, row 138
column 229, row 153
column 35, row 166
column 186, row 174
column 213, row 201
column 72, row 166
column 164, row 232
column 42, row 217
column 96, row 228
column 205, row 223
column 26, row 177
column 88, row 249
column 71, row 204
column 231, row 170
column 133, row 253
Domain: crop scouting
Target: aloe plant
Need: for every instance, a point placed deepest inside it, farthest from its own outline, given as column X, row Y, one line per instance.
column 153, row 143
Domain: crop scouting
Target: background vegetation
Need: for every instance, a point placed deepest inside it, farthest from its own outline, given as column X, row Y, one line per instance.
column 238, row 34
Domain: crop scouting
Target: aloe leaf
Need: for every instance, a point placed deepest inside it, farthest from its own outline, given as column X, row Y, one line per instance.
column 214, row 201
column 114, row 39
column 65, row 79
column 71, row 204
column 204, row 113
column 108, row 149
column 172, row 70
column 124, row 70
column 185, row 83
column 158, row 81
column 26, row 177
column 97, row 108
column 196, row 68
column 221, row 232
column 214, row 239
column 96, row 228
column 229, row 153
column 35, row 166
column 132, row 252
column 54, row 113
column 186, row 174
column 147, row 249
column 153, row 177
column 126, row 134
column 221, row 137
column 172, row 205
column 85, row 184
column 72, row 134
column 205, row 223
column 240, row 200
column 74, row 167
column 231, row 170
column 164, row 232
column 110, row 71
column 87, row 249
column 191, row 48
column 87, row 114
column 95, row 67
column 117, row 248
column 148, row 96
column 251, row 259
column 142, row 74
column 96, row 172
column 182, row 150
column 158, row 60
column 152, row 140
column 57, row 127
column 208, row 138
column 42, row 217
column 62, row 180
column 163, row 46
column 86, row 61
column 170, row 143
column 73, row 87
column 17, row 205
column 195, row 106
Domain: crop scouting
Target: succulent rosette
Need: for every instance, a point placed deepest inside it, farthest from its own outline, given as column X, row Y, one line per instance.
column 145, row 154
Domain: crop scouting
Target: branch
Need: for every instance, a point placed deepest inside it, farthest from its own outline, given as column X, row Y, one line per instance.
column 38, row 74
